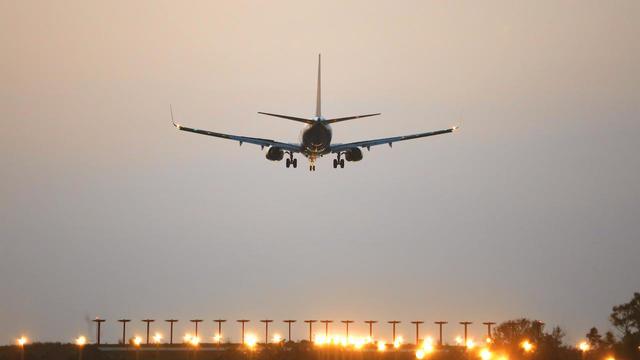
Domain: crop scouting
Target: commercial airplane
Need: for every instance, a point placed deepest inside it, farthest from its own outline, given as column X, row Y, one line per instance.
column 315, row 138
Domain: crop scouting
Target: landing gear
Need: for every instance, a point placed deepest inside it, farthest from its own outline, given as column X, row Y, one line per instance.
column 312, row 168
column 291, row 161
column 339, row 162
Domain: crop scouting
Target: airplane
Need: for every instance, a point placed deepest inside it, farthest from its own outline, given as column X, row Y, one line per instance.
column 315, row 138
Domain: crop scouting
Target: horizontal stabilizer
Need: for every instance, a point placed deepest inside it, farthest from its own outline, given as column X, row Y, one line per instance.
column 307, row 121
column 331, row 121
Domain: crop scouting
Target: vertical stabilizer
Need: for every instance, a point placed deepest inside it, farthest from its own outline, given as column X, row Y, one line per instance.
column 318, row 105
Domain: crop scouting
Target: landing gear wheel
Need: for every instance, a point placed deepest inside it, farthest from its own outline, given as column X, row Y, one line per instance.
column 314, row 168
column 342, row 163
column 288, row 163
column 295, row 163
column 335, row 163
column 310, row 167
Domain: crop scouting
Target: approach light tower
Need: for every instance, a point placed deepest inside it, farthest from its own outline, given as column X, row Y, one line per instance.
column 124, row 331
column 417, row 331
column 489, row 323
column 310, row 322
column 219, row 321
column 394, row 322
column 465, row 323
column 196, row 321
column 289, row 322
column 171, row 321
column 148, row 321
column 266, row 330
column 370, row 322
column 326, row 327
column 440, row 323
column 243, row 321
column 98, row 322
column 347, row 322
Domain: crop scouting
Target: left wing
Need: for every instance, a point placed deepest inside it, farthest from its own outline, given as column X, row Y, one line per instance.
column 369, row 143
column 243, row 139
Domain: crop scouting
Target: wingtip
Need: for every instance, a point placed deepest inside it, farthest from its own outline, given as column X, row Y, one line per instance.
column 455, row 128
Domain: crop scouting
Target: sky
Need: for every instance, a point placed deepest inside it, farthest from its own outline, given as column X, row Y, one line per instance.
column 106, row 210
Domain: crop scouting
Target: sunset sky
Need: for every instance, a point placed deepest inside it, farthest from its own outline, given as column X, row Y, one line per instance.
column 531, row 209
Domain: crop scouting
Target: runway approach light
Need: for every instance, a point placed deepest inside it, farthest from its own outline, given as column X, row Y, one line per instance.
column 251, row 341
column 157, row 338
column 381, row 346
column 137, row 341
column 22, row 341
column 458, row 340
column 419, row 354
column 217, row 338
column 277, row 338
column 81, row 341
column 398, row 342
column 485, row 354
column 526, row 345
column 488, row 340
column 583, row 346
column 470, row 344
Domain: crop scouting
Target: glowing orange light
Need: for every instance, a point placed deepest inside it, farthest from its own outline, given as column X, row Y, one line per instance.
column 251, row 341
column 428, row 348
column 381, row 346
column 217, row 338
column 419, row 354
column 527, row 346
column 22, row 341
column 137, row 341
column 458, row 340
column 488, row 340
column 81, row 341
column 583, row 346
column 157, row 338
column 277, row 338
column 470, row 344
column 485, row 354
column 611, row 358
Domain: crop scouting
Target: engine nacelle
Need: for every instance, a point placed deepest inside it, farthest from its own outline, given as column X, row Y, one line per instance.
column 353, row 154
column 275, row 154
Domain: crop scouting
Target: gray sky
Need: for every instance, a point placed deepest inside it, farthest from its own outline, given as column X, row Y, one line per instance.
column 106, row 210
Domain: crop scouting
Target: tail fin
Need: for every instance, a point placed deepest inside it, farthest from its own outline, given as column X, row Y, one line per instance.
column 318, row 103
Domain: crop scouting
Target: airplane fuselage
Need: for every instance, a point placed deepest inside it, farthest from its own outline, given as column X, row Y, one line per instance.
column 316, row 139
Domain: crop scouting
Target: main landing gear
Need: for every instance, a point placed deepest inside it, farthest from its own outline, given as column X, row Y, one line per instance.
column 291, row 161
column 338, row 162
column 312, row 167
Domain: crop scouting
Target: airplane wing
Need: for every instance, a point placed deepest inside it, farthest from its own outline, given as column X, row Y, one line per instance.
column 243, row 139
column 369, row 143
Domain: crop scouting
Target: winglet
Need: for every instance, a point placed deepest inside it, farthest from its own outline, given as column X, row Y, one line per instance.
column 172, row 121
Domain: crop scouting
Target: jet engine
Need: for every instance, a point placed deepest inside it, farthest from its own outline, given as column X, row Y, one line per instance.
column 275, row 154
column 353, row 154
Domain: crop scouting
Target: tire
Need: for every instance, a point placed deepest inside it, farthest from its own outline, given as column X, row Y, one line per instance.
column 288, row 163
column 295, row 163
column 342, row 164
column 335, row 163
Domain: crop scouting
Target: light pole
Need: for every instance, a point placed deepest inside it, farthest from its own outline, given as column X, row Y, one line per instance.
column 326, row 327
column 440, row 323
column 124, row 332
column 266, row 330
column 489, row 323
column 242, row 321
column 347, row 322
column 310, row 322
column 171, row 321
column 394, row 322
column 370, row 322
column 196, row 321
column 98, row 322
column 417, row 331
column 289, row 322
column 465, row 323
column 220, row 321
column 148, row 321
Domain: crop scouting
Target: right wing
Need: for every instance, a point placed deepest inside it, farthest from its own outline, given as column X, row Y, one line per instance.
column 369, row 143
column 243, row 139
